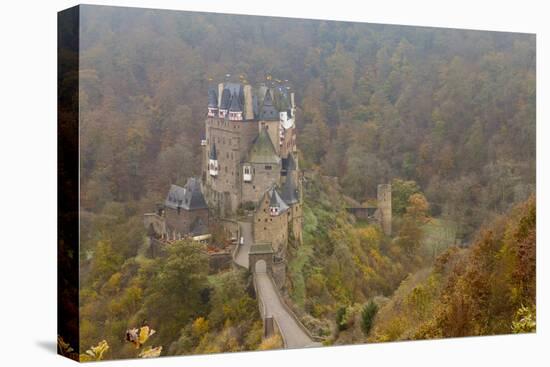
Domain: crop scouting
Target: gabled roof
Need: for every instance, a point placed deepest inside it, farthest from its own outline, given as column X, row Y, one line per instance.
column 262, row 150
column 268, row 111
column 290, row 192
column 188, row 197
column 213, row 153
column 212, row 98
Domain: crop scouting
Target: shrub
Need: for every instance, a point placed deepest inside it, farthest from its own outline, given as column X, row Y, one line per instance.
column 340, row 319
column 367, row 317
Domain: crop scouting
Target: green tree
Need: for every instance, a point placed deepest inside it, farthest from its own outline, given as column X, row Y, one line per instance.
column 401, row 192
column 176, row 291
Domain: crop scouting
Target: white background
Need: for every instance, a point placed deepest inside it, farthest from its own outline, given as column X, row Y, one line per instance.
column 28, row 182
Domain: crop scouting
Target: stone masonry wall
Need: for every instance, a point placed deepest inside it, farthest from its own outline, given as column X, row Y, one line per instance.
column 270, row 229
column 262, row 180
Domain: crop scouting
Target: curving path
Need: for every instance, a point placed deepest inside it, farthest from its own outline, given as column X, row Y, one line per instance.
column 293, row 335
column 241, row 258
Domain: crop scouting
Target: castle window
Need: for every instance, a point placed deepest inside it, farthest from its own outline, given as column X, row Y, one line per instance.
column 268, row 168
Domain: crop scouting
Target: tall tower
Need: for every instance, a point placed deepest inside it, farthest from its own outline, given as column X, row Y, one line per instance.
column 384, row 207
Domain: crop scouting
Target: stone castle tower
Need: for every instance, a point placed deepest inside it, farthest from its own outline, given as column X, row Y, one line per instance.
column 385, row 207
column 250, row 161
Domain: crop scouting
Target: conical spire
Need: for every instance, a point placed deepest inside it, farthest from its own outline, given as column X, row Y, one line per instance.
column 273, row 203
column 212, row 98
column 268, row 111
column 290, row 193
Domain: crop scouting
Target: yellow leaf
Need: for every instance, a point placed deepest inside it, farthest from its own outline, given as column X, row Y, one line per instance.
column 151, row 352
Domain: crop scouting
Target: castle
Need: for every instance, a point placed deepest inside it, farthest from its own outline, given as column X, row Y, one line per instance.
column 250, row 161
column 249, row 166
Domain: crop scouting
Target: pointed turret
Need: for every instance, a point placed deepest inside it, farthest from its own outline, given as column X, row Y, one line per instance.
column 212, row 103
column 235, row 109
column 224, row 102
column 290, row 192
column 276, row 203
column 268, row 111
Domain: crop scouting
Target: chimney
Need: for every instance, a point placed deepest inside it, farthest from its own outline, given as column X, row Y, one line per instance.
column 248, row 109
column 220, row 91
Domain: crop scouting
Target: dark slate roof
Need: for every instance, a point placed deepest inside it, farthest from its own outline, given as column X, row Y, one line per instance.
column 226, row 99
column 212, row 98
column 235, row 104
column 290, row 192
column 276, row 201
column 289, row 163
column 213, row 153
column 268, row 110
column 198, row 227
column 262, row 150
column 188, row 197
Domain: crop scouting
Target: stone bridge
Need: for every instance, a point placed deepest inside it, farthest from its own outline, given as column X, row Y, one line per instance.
column 258, row 258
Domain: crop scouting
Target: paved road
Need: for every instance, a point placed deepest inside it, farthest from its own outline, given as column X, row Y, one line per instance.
column 294, row 336
column 242, row 255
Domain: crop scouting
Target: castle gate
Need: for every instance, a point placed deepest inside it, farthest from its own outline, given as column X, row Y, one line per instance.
column 260, row 258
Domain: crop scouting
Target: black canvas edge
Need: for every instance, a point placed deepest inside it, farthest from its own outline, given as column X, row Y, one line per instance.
column 68, row 186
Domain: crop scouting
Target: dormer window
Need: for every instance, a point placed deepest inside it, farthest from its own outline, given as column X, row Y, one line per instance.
column 213, row 168
column 235, row 116
column 274, row 211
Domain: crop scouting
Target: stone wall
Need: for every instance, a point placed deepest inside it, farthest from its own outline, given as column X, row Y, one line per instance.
column 296, row 223
column 233, row 140
column 262, row 180
column 385, row 207
column 272, row 229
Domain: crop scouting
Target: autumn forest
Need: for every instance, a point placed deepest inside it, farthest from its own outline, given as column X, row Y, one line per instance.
column 446, row 116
